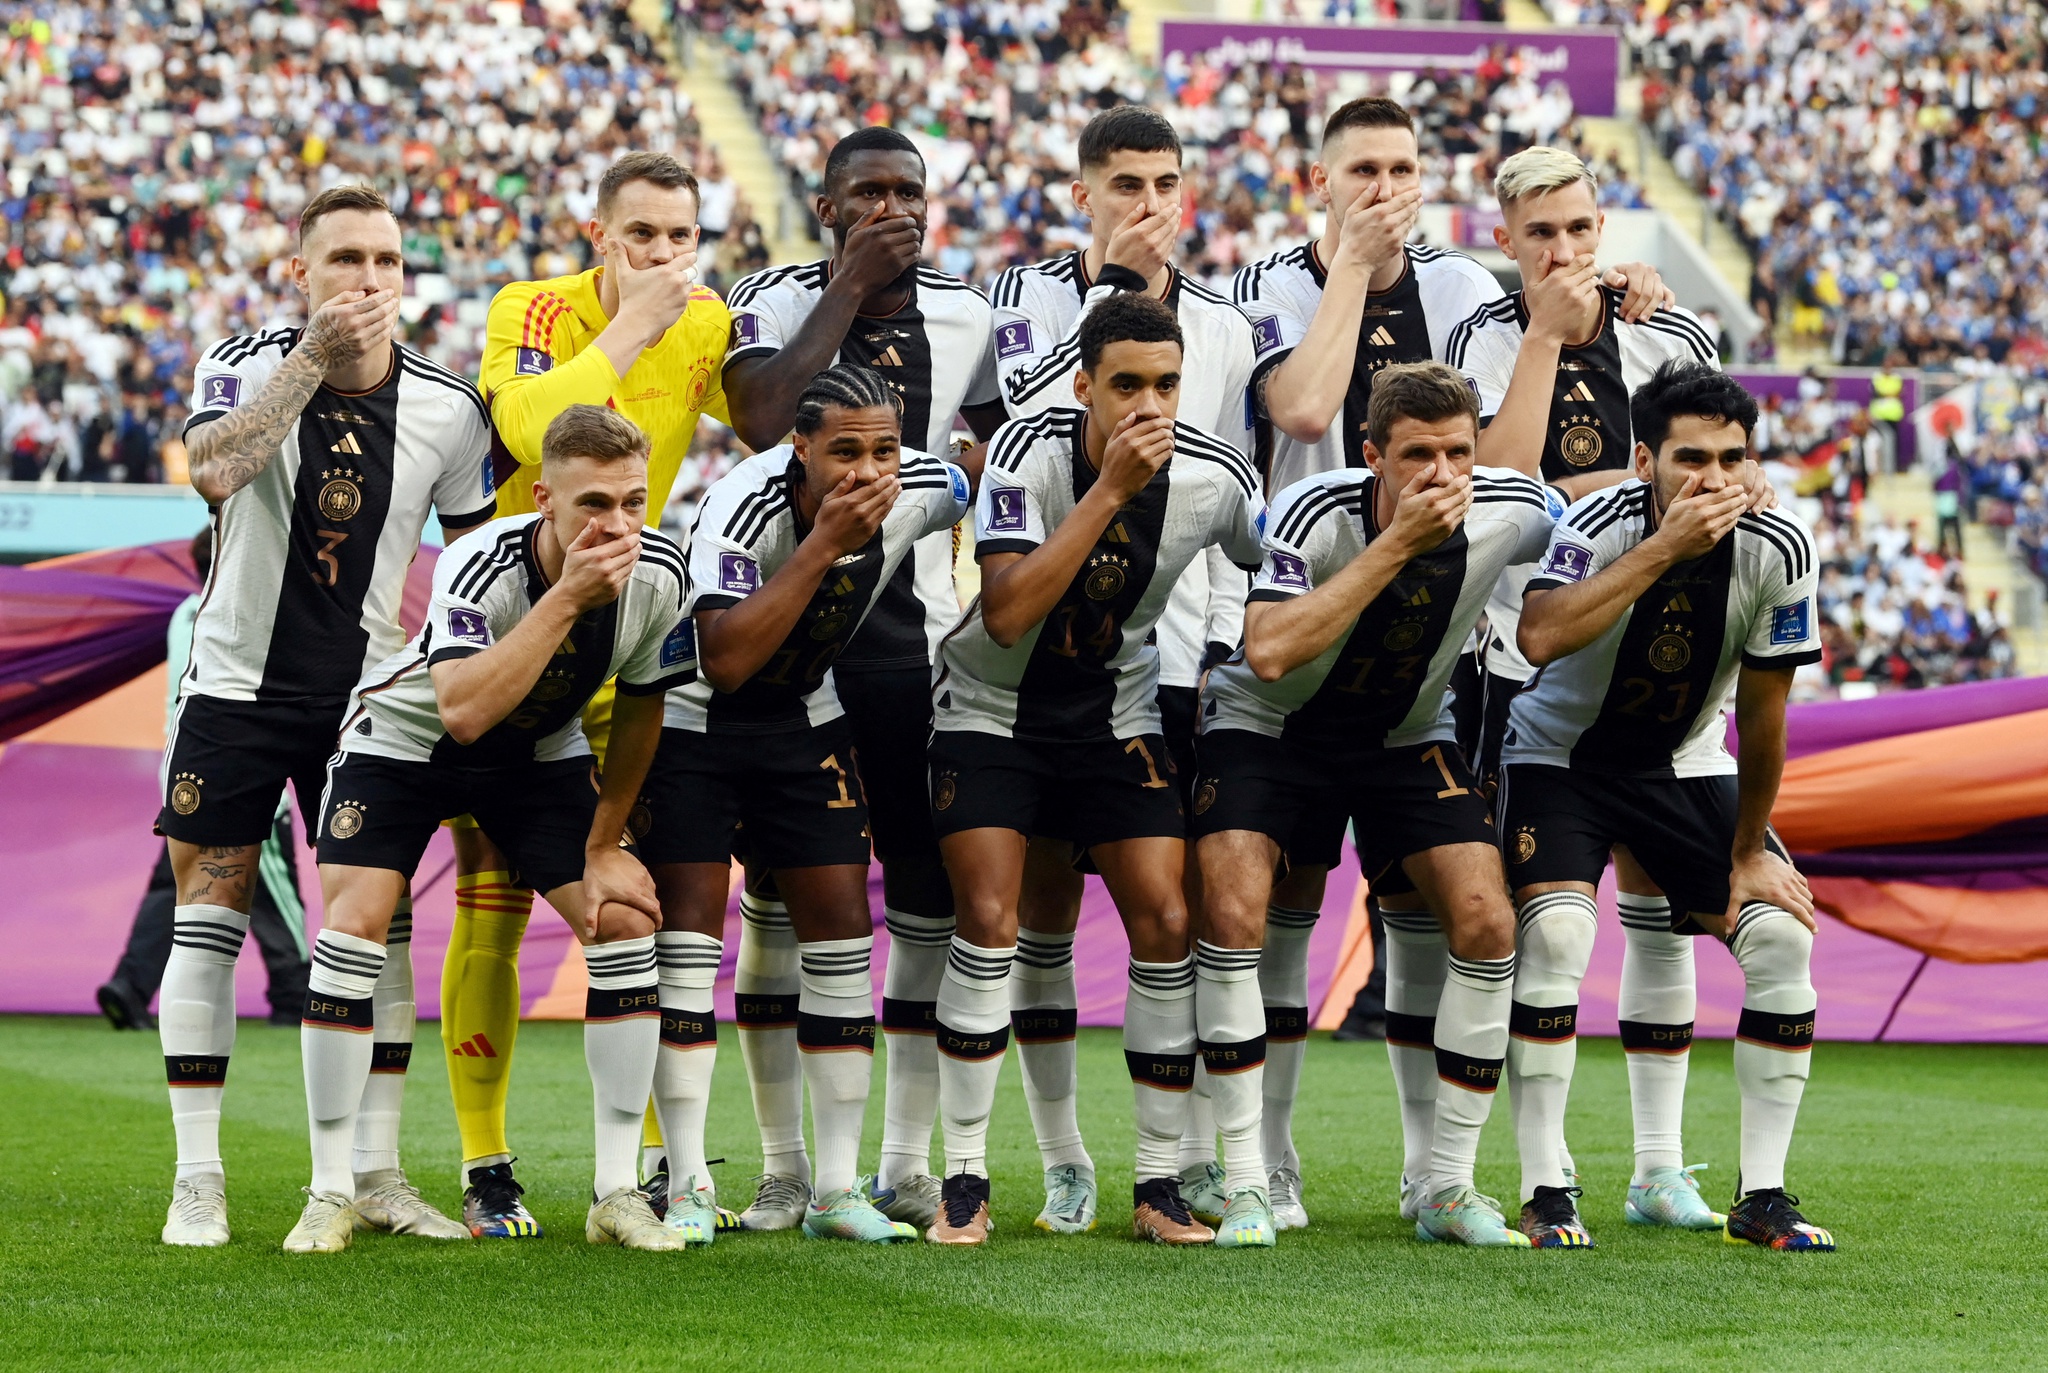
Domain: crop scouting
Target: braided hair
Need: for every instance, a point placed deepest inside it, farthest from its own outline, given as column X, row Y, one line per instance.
column 842, row 387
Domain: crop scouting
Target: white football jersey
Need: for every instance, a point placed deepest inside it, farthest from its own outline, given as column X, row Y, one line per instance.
column 309, row 558
column 746, row 530
column 484, row 585
column 1646, row 698
column 1087, row 671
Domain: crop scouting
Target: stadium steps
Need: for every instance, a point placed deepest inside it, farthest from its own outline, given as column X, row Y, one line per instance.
column 730, row 128
column 1987, row 566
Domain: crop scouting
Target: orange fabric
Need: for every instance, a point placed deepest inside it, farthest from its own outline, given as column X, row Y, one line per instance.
column 1917, row 788
column 1951, row 923
column 1354, row 963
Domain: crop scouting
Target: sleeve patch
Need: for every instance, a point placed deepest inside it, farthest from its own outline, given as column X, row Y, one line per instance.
column 1013, row 339
column 1288, row 571
column 959, row 481
column 1006, row 510
column 1265, row 335
column 221, row 393
column 746, row 331
column 1568, row 562
column 681, row 644
column 469, row 626
column 534, row 361
column 738, row 572
column 1789, row 624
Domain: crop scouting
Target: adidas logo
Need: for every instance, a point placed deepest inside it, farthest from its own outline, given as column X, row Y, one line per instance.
column 1421, row 597
column 1580, row 392
column 1680, row 602
column 348, row 445
column 1380, row 338
column 889, row 357
column 476, row 1046
column 1116, row 534
column 843, row 587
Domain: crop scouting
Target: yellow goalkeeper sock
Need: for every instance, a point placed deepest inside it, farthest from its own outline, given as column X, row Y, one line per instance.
column 480, row 1006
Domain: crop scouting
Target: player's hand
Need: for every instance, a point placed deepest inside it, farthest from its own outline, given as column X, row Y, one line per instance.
column 596, row 567
column 880, row 247
column 849, row 516
column 653, row 296
column 1643, row 292
column 1426, row 512
column 1562, row 299
column 614, row 877
column 1770, row 879
column 1144, row 242
column 350, row 325
column 1136, row 451
column 1697, row 520
column 1374, row 229
column 1762, row 495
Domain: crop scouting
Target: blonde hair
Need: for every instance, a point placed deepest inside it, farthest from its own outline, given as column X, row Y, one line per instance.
column 1539, row 170
column 597, row 432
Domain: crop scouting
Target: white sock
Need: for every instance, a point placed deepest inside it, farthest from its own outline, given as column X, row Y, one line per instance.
column 910, row 1017
column 1283, row 987
column 196, row 1022
column 1658, row 997
column 765, row 988
column 1198, row 1137
column 974, row 1030
column 1774, row 1038
column 1418, row 960
column 335, row 1042
column 1553, row 945
column 1159, row 1049
column 1044, row 1023
column 1471, row 1046
column 1230, row 1030
column 394, row 1008
column 687, row 964
column 621, row 1037
column 835, row 1036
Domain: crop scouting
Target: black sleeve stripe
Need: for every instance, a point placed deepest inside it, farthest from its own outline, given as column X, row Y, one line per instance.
column 1778, row 662
column 945, row 281
column 503, row 549
column 1505, row 497
column 1500, row 311
column 1208, row 446
column 1686, row 330
column 745, row 293
column 1598, row 514
column 1788, row 548
column 1201, row 292
column 1294, row 524
column 1014, row 441
column 1023, row 385
column 442, row 377
column 756, row 513
column 1005, row 294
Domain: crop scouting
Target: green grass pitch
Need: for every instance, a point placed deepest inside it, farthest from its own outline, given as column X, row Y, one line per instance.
column 1927, row 1163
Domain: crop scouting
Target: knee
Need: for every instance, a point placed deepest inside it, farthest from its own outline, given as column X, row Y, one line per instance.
column 1772, row 943
column 616, row 922
column 1159, row 935
column 1481, row 925
column 1556, row 933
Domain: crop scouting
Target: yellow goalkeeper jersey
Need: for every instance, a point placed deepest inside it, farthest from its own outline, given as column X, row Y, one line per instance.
column 538, row 360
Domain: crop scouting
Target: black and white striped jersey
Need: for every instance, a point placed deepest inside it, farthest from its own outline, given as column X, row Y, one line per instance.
column 484, row 585
column 747, row 528
column 309, row 558
column 1589, row 427
column 1087, row 671
column 938, row 353
column 1410, row 321
column 1038, row 352
column 1386, row 683
column 1646, row 698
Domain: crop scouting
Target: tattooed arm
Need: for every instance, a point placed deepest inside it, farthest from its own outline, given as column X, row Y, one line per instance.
column 228, row 453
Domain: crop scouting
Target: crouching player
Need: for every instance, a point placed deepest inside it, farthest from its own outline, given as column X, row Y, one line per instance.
column 1655, row 599
column 481, row 713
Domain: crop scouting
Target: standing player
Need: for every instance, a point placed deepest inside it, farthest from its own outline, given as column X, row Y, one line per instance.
column 1048, row 724
column 321, row 449
column 1337, row 711
column 636, row 334
column 1131, row 188
column 792, row 551
column 1656, row 599
column 480, row 714
column 928, row 336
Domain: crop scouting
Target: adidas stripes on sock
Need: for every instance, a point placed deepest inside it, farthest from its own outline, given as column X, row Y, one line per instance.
column 765, row 990
column 393, row 1010
column 835, row 1036
column 687, row 965
column 1159, row 1050
column 1418, row 960
column 1230, row 1029
column 621, row 1038
column 1554, row 943
column 1774, row 1037
column 910, row 1017
column 974, row 1031
column 1658, row 996
column 336, row 1040
column 1471, row 1046
column 196, row 1022
column 1043, row 1019
column 1283, row 989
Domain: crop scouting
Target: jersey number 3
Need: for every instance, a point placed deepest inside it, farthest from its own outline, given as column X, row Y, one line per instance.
column 330, row 566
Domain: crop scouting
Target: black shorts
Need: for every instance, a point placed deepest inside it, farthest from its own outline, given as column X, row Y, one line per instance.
column 786, row 800
column 1560, row 826
column 1500, row 694
column 227, row 762
column 1177, row 710
column 380, row 813
column 1400, row 801
column 891, row 714
column 1099, row 792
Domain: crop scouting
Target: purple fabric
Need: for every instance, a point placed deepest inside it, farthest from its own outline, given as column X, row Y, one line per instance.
column 1822, row 725
column 2007, row 857
column 67, row 637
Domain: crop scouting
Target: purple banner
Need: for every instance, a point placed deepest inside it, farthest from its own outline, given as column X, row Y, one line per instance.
column 1853, row 388
column 1586, row 59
